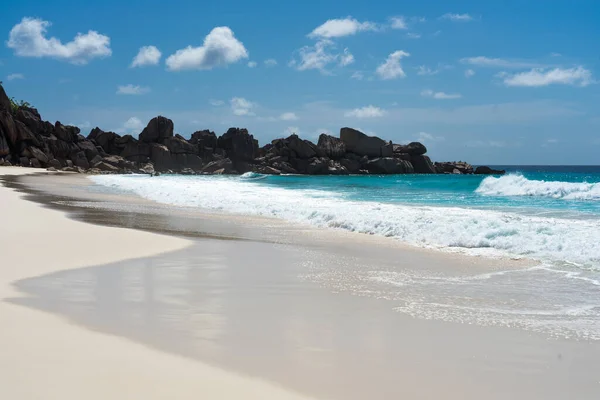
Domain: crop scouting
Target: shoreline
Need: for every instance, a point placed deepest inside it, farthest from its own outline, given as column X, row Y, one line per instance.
column 252, row 308
column 44, row 355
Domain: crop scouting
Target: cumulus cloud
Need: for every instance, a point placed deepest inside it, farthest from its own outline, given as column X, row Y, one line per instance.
column 133, row 124
column 398, row 23
column 320, row 56
column 147, row 55
column 288, row 116
column 252, row 64
column 424, row 70
column 469, row 73
column 391, row 68
column 271, row 62
column 413, row 35
column 220, row 48
column 346, row 58
column 359, row 76
column 242, row 107
column 482, row 61
column 216, row 103
column 12, row 77
column 577, row 76
column 457, row 17
column 28, row 39
column 365, row 112
column 336, row 28
column 440, row 95
column 132, row 90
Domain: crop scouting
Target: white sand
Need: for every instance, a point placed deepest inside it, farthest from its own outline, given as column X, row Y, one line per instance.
column 42, row 356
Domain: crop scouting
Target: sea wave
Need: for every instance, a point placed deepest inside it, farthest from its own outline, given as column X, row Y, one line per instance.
column 473, row 231
column 518, row 185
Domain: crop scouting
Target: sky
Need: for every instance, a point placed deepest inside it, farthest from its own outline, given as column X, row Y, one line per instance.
column 489, row 82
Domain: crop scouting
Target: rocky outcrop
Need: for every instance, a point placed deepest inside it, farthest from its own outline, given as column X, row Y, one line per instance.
column 482, row 170
column 158, row 129
column 27, row 140
column 331, row 147
column 358, row 143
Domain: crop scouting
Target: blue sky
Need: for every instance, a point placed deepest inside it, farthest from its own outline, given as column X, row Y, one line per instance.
column 511, row 82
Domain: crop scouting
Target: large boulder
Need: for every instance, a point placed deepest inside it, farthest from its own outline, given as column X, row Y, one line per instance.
column 388, row 165
column 31, row 118
column 422, row 164
column 450, row 167
column 352, row 165
column 158, row 129
column 239, row 144
column 317, row 166
column 106, row 140
column 178, row 145
column 225, row 166
column 4, row 100
column 483, row 170
column 204, row 139
column 332, row 147
column 39, row 155
column 80, row 160
column 25, row 136
column 303, row 148
column 66, row 133
column 161, row 157
column 413, row 148
column 4, row 149
column 137, row 151
column 8, row 128
column 88, row 148
column 361, row 144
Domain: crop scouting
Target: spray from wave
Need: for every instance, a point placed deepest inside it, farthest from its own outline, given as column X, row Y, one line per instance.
column 451, row 228
column 518, row 185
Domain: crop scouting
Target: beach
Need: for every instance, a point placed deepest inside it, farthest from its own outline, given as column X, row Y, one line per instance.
column 108, row 295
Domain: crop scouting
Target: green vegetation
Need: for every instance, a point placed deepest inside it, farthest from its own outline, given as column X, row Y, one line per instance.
column 15, row 105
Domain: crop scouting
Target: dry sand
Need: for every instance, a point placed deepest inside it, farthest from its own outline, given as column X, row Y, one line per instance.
column 44, row 356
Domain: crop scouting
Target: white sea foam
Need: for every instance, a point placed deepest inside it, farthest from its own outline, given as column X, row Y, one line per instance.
column 518, row 185
column 474, row 231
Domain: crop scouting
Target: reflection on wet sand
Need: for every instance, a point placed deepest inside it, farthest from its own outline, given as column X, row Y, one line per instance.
column 242, row 306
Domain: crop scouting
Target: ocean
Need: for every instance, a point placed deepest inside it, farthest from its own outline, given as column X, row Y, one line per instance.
column 547, row 214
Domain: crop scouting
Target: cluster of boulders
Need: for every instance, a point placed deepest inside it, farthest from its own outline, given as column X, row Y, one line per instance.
column 27, row 140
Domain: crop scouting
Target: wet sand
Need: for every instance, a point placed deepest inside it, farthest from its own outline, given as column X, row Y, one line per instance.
column 249, row 305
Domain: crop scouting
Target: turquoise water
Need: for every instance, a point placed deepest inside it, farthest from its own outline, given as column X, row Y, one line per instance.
column 564, row 191
column 549, row 217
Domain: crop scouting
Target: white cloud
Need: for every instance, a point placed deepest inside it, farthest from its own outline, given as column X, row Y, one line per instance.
column 241, row 106
column 271, row 62
column 220, row 48
column 428, row 137
column 457, row 17
column 335, row 28
column 346, row 58
column 391, row 68
column 398, row 23
column 133, row 124
column 440, row 95
column 288, row 116
column 12, row 77
column 482, row 61
column 412, row 35
column 578, row 76
column 424, row 70
column 252, row 64
column 216, row 103
column 320, row 56
column 365, row 112
column 28, row 39
column 147, row 55
column 359, row 76
column 131, row 89
column 469, row 73
column 555, row 55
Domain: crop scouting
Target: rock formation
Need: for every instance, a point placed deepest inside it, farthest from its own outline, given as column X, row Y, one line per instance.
column 27, row 140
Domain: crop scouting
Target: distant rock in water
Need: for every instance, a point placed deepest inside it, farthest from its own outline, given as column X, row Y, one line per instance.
column 27, row 140
column 482, row 170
